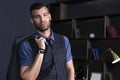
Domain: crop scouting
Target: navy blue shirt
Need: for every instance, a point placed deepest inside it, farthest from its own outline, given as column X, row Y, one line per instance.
column 25, row 51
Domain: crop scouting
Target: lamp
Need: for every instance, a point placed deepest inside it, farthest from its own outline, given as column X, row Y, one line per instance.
column 114, row 56
column 115, row 59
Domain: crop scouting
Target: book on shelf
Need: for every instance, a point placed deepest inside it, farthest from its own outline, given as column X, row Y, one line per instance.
column 94, row 54
column 76, row 33
column 111, row 31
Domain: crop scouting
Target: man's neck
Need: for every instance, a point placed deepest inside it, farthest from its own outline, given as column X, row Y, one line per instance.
column 45, row 33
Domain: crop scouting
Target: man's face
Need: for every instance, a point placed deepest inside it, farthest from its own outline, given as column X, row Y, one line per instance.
column 41, row 19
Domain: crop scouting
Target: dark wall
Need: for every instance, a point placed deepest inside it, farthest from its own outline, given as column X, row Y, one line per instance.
column 94, row 8
column 14, row 21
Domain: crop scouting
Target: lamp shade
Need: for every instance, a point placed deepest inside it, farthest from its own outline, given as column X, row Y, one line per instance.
column 115, row 56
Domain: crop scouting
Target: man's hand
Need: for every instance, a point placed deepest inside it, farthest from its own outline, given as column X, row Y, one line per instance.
column 40, row 42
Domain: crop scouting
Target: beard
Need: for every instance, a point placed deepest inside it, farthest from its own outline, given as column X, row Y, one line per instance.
column 39, row 28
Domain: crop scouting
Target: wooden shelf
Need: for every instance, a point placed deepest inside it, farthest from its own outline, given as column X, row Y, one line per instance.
column 97, row 23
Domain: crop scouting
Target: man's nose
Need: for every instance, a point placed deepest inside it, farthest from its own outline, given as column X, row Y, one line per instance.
column 42, row 18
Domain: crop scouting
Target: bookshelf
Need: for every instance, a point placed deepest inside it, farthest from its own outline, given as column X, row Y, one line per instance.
column 69, row 19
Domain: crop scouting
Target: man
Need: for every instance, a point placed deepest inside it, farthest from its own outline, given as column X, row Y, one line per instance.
column 48, row 56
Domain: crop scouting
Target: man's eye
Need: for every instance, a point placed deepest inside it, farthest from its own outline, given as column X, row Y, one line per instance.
column 46, row 14
column 35, row 16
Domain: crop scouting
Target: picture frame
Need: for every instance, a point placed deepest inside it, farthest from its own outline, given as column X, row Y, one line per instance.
column 96, row 76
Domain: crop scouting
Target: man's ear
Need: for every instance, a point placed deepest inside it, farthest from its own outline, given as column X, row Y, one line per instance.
column 50, row 16
column 31, row 20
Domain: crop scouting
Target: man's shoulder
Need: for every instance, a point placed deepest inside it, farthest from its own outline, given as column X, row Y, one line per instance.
column 22, row 38
column 60, row 35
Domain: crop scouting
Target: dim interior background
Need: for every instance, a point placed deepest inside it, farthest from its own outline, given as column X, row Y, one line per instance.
column 14, row 21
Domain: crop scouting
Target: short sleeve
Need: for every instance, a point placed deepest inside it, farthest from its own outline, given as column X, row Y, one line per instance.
column 68, row 49
column 25, row 54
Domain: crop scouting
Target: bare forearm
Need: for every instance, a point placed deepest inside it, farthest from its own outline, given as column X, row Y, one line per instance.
column 32, row 71
column 70, row 75
column 70, row 70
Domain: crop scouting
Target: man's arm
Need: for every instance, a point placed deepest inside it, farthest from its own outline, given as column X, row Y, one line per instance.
column 31, row 72
column 69, row 63
column 70, row 70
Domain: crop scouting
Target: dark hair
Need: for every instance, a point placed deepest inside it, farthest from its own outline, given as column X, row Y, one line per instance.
column 36, row 6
